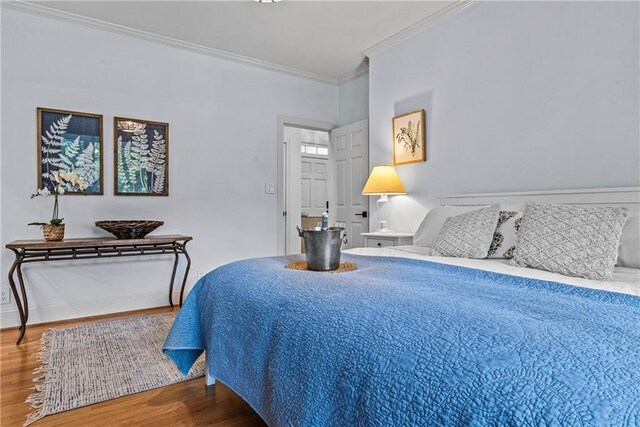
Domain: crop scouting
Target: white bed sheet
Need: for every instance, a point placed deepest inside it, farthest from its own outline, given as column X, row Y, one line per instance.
column 626, row 280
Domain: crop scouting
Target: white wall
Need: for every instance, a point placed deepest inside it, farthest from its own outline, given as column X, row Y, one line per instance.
column 518, row 96
column 223, row 119
column 354, row 99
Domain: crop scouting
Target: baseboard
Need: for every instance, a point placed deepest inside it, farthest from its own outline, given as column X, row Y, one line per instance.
column 85, row 308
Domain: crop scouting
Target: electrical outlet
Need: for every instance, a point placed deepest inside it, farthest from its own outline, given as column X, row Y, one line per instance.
column 5, row 296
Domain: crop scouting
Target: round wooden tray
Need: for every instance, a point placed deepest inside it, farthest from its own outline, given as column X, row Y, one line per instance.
column 302, row 265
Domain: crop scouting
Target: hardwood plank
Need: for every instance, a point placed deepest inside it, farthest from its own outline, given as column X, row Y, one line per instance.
column 188, row 403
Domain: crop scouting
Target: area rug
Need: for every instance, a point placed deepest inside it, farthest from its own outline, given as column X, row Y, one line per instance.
column 95, row 362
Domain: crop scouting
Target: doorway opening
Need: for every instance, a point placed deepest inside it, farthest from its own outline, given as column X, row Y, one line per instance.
column 320, row 168
column 314, row 176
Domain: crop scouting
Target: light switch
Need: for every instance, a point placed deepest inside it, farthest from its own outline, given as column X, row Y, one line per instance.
column 269, row 189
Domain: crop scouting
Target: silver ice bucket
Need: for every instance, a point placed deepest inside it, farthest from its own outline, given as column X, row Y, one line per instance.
column 323, row 247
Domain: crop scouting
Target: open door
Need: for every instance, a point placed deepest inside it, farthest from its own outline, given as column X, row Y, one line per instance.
column 350, row 164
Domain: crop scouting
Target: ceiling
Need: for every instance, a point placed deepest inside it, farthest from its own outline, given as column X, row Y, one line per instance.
column 323, row 38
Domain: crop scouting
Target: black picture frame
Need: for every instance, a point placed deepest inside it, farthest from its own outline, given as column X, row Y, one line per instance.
column 141, row 157
column 70, row 141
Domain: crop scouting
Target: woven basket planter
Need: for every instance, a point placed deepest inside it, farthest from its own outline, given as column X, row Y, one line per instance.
column 53, row 232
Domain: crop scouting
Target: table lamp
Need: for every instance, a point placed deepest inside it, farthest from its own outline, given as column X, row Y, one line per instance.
column 383, row 181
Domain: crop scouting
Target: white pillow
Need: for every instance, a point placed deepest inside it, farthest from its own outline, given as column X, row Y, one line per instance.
column 433, row 222
column 629, row 251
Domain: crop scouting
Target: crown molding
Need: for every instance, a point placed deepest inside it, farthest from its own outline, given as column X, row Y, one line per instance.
column 427, row 22
column 360, row 71
column 36, row 9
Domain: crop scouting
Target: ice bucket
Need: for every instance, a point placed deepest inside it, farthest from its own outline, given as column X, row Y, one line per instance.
column 323, row 247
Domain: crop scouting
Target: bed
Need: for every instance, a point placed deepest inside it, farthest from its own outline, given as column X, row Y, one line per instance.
column 411, row 339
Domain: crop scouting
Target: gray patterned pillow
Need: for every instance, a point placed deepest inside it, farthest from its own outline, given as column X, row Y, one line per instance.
column 468, row 235
column 570, row 240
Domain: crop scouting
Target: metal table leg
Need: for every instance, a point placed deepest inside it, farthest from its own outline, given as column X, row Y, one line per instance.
column 21, row 310
column 23, row 289
column 173, row 277
column 186, row 271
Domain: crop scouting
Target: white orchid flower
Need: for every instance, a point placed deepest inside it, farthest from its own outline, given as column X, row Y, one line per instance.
column 61, row 190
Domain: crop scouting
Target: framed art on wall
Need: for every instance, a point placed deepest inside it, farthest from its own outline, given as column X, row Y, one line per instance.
column 141, row 157
column 70, row 142
column 409, row 141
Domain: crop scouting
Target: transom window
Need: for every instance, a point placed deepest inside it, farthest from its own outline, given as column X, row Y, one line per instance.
column 314, row 150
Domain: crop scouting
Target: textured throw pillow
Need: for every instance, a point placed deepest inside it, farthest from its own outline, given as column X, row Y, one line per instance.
column 468, row 235
column 433, row 222
column 570, row 240
column 505, row 236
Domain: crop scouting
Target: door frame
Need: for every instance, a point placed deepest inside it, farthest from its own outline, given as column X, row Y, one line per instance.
column 282, row 167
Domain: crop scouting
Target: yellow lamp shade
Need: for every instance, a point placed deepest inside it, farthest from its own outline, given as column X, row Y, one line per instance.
column 383, row 180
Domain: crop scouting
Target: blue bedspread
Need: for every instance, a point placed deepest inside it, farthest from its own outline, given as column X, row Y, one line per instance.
column 403, row 342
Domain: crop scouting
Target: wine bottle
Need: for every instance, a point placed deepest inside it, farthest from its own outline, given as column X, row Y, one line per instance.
column 325, row 221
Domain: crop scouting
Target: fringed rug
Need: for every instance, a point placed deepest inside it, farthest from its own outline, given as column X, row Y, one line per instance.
column 92, row 363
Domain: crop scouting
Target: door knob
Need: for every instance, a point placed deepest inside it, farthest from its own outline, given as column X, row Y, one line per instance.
column 363, row 214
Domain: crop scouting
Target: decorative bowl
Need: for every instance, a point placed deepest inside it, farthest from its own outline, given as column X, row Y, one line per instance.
column 129, row 229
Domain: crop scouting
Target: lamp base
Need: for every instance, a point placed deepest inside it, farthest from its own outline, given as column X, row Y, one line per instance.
column 383, row 228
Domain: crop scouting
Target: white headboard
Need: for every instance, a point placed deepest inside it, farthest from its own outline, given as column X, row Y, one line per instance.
column 622, row 196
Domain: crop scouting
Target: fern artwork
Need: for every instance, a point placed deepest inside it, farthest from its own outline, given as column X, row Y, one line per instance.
column 70, row 142
column 409, row 141
column 141, row 157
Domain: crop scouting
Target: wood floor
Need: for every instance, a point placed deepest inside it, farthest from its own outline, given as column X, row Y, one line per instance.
column 189, row 403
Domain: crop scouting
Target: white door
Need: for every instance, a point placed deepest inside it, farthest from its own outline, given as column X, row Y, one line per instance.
column 350, row 164
column 314, row 191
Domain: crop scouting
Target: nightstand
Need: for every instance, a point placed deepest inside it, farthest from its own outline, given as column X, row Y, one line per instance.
column 378, row 240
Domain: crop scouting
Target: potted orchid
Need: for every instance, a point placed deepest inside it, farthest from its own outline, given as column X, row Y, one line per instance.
column 54, row 229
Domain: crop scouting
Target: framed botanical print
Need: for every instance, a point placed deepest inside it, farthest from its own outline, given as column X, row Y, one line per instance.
column 70, row 142
column 141, row 157
column 409, row 140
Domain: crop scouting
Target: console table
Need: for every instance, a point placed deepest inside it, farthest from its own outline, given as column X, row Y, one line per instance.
column 27, row 251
